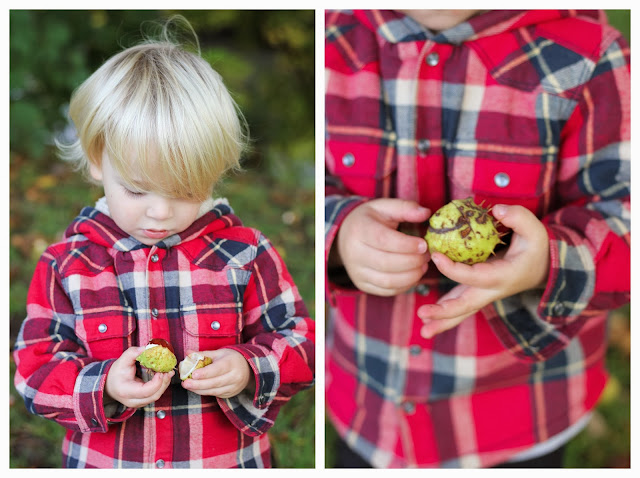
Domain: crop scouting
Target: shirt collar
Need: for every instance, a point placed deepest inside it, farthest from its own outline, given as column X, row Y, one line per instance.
column 96, row 224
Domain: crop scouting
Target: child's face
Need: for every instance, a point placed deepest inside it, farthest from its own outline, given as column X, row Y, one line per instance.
column 148, row 217
column 438, row 20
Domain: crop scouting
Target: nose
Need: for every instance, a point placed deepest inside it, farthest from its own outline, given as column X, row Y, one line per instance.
column 159, row 208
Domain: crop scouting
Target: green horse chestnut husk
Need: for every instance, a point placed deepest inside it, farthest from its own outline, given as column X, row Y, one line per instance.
column 463, row 231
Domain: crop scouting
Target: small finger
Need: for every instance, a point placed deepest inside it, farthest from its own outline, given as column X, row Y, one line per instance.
column 433, row 327
column 393, row 262
column 391, row 240
column 487, row 274
column 390, row 283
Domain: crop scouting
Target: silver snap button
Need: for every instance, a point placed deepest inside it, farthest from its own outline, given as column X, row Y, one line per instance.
column 424, row 145
column 415, row 350
column 161, row 414
column 160, row 464
column 348, row 160
column 422, row 289
column 408, row 407
column 155, row 258
column 433, row 59
column 215, row 325
column 558, row 309
column 154, row 312
column 102, row 328
column 502, row 180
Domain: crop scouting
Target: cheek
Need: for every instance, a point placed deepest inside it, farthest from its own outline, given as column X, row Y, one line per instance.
column 188, row 215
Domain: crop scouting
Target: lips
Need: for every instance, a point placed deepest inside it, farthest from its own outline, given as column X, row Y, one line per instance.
column 155, row 233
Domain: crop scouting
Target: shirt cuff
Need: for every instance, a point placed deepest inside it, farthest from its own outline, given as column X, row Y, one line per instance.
column 536, row 324
column 88, row 397
column 252, row 414
column 572, row 277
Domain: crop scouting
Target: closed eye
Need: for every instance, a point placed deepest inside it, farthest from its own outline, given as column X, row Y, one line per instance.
column 135, row 194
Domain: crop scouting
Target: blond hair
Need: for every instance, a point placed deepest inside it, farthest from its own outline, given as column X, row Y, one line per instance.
column 163, row 116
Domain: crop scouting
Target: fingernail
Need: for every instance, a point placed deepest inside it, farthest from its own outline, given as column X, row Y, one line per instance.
column 499, row 210
column 426, row 333
column 423, row 313
column 435, row 258
column 422, row 247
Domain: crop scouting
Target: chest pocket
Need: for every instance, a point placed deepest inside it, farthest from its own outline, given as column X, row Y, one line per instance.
column 106, row 335
column 528, row 183
column 206, row 328
column 364, row 167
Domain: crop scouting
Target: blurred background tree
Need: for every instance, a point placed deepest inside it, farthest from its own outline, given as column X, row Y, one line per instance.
column 267, row 59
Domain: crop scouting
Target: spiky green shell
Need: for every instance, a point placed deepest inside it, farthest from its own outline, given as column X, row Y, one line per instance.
column 463, row 231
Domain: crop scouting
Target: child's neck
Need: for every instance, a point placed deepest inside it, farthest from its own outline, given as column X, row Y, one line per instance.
column 439, row 20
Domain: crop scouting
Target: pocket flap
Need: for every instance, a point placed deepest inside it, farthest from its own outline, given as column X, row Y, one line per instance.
column 207, row 321
column 105, row 325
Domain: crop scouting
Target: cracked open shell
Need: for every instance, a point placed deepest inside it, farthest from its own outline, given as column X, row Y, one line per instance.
column 192, row 362
column 158, row 356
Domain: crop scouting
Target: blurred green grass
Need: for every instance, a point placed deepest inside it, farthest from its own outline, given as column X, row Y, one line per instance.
column 267, row 61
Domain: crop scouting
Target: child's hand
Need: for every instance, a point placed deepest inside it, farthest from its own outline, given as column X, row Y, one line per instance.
column 524, row 266
column 227, row 376
column 123, row 386
column 379, row 259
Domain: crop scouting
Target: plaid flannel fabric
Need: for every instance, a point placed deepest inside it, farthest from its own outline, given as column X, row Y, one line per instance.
column 512, row 107
column 216, row 284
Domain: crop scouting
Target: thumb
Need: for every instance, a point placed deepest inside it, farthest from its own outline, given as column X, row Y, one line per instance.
column 518, row 218
column 400, row 210
column 132, row 352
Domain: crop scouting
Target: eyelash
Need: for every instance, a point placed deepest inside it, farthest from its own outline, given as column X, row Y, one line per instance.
column 133, row 194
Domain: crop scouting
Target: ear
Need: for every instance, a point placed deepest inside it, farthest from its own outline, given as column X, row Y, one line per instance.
column 95, row 170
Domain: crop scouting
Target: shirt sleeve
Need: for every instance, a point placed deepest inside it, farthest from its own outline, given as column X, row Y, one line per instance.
column 279, row 343
column 589, row 232
column 54, row 375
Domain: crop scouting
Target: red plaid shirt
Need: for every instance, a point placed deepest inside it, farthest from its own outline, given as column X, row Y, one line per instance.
column 216, row 284
column 511, row 107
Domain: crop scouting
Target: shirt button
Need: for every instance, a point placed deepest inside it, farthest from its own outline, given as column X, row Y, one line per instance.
column 408, row 407
column 422, row 289
column 433, row 59
column 154, row 312
column 415, row 350
column 160, row 464
column 423, row 146
column 558, row 309
column 215, row 325
column 102, row 328
column 161, row 414
column 94, row 422
column 155, row 258
column 348, row 160
column 502, row 180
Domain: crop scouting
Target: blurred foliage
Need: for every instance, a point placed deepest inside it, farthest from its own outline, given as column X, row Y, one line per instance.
column 267, row 59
